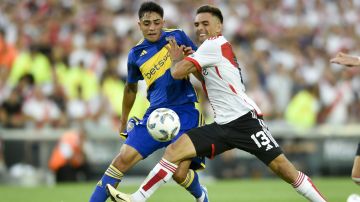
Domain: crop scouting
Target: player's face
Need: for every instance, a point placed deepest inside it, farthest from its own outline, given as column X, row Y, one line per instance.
column 151, row 25
column 206, row 25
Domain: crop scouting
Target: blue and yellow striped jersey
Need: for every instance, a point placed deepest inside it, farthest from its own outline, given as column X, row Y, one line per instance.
column 150, row 61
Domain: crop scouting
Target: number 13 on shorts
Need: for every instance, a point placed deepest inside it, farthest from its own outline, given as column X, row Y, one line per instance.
column 262, row 139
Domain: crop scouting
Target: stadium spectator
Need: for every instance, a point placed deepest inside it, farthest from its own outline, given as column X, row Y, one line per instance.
column 41, row 111
column 149, row 60
column 302, row 110
column 33, row 62
column 238, row 120
column 8, row 54
column 68, row 159
column 11, row 115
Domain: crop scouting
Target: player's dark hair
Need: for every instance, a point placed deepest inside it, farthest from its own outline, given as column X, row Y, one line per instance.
column 150, row 6
column 212, row 10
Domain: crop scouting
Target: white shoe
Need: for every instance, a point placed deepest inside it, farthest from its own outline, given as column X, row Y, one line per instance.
column 117, row 196
column 353, row 198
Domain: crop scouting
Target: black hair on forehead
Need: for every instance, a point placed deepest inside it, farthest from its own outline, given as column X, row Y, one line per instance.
column 212, row 10
column 150, row 6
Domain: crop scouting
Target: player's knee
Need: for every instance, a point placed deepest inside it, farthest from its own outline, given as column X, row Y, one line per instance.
column 171, row 154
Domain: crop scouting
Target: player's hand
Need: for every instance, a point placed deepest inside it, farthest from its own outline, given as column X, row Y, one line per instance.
column 345, row 59
column 176, row 52
column 123, row 133
column 188, row 51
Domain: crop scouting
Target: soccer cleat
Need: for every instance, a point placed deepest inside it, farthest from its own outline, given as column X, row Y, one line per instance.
column 117, row 196
column 206, row 196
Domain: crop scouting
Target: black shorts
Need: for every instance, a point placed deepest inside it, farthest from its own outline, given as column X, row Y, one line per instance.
column 358, row 150
column 248, row 133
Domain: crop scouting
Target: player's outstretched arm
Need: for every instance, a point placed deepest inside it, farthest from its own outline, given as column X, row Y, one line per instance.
column 128, row 102
column 182, row 69
column 345, row 59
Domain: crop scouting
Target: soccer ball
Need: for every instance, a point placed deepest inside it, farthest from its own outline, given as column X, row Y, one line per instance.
column 163, row 124
column 353, row 198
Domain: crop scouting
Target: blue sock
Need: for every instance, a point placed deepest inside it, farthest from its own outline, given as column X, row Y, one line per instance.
column 111, row 176
column 192, row 184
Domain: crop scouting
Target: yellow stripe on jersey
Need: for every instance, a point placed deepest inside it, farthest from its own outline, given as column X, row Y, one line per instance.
column 141, row 40
column 156, row 66
column 201, row 120
column 169, row 30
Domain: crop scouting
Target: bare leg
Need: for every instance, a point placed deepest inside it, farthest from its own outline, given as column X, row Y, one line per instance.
column 355, row 175
column 180, row 150
column 301, row 183
column 126, row 159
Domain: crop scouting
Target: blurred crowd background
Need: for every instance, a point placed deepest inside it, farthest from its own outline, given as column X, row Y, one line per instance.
column 63, row 62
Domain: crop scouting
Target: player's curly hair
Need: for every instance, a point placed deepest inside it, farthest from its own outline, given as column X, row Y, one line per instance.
column 150, row 6
column 211, row 9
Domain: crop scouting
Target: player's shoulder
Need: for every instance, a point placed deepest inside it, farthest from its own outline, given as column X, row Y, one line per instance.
column 167, row 30
column 178, row 33
column 214, row 41
column 219, row 38
column 138, row 47
column 210, row 42
column 139, row 44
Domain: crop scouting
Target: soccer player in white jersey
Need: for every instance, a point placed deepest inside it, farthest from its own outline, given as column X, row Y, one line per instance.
column 238, row 120
column 351, row 61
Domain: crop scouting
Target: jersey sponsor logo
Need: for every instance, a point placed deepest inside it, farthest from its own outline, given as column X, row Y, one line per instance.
column 156, row 66
column 205, row 72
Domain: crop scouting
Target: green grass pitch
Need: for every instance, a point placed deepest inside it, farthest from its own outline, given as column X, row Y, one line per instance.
column 247, row 190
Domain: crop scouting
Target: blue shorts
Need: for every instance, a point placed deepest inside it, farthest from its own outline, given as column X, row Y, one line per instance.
column 140, row 139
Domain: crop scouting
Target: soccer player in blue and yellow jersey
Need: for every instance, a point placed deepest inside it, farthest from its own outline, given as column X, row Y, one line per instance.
column 149, row 60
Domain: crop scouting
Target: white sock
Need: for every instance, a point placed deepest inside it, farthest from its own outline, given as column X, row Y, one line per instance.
column 159, row 175
column 356, row 180
column 304, row 186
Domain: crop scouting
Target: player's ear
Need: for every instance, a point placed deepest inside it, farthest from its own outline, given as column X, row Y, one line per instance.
column 219, row 27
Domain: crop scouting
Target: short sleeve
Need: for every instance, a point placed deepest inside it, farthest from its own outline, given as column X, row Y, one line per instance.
column 134, row 74
column 206, row 55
